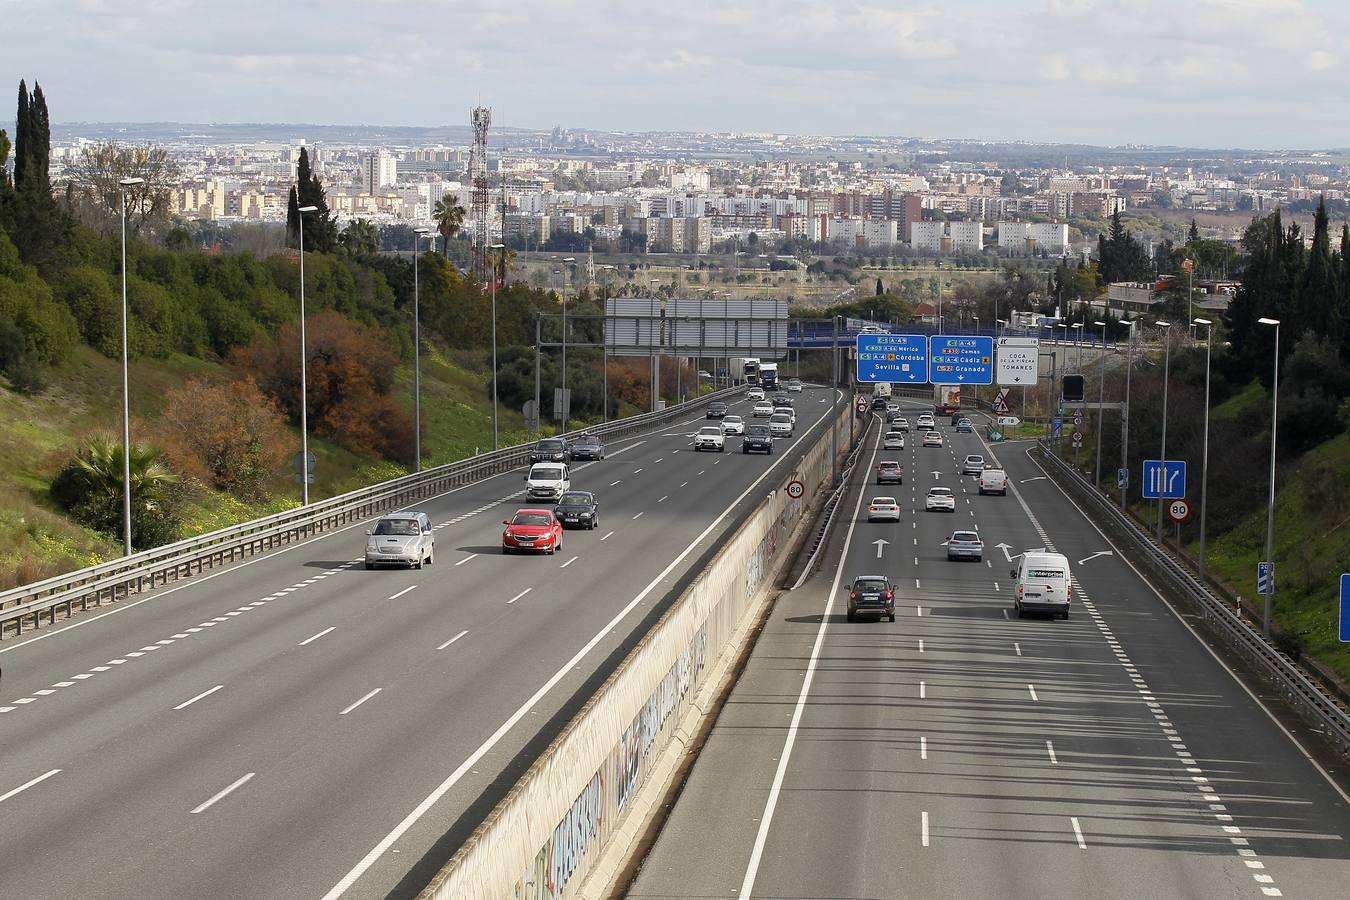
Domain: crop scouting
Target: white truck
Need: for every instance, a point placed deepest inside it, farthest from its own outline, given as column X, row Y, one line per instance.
column 882, row 389
column 768, row 375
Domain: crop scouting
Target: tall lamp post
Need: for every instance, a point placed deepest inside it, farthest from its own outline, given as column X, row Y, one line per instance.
column 126, row 390
column 1167, row 358
column 496, row 247
column 1270, row 502
column 656, row 357
column 1125, row 420
column 304, row 384
column 1101, row 397
column 418, row 233
column 1204, row 454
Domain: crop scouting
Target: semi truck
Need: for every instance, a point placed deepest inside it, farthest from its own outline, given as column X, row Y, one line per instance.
column 946, row 399
column 768, row 375
column 750, row 370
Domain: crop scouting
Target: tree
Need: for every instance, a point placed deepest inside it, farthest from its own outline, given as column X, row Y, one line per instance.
column 4, row 157
column 38, row 226
column 449, row 216
column 320, row 226
column 97, row 179
column 360, row 238
column 89, row 487
column 1194, row 234
column 1317, row 296
column 292, row 219
column 880, row 290
column 229, row 434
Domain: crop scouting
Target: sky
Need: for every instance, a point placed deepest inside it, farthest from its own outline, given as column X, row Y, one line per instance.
column 1256, row 74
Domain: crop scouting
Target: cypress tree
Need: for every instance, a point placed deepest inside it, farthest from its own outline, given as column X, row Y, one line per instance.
column 1193, row 234
column 1317, row 289
column 21, row 131
column 41, row 140
column 320, row 226
column 4, row 155
column 292, row 220
column 880, row 290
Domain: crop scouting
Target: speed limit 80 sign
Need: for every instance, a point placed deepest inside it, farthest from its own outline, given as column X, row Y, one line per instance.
column 795, row 489
column 1178, row 510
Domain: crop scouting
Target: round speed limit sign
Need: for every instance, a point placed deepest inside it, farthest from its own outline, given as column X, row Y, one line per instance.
column 1179, row 510
column 795, row 489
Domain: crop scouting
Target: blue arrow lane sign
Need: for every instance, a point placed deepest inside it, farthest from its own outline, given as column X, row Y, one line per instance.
column 957, row 359
column 1164, row 479
column 895, row 358
column 1345, row 608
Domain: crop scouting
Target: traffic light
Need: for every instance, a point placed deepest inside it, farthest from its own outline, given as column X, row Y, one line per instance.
column 1073, row 388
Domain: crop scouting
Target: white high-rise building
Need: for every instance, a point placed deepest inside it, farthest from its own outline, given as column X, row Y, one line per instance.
column 1024, row 237
column 381, row 172
column 967, row 237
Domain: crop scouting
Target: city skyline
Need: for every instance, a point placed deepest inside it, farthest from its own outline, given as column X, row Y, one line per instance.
column 1207, row 74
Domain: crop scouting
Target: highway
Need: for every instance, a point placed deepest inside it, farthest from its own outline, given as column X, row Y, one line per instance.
column 296, row 726
column 963, row 753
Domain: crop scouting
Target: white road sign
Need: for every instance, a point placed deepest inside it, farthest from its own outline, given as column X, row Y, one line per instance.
column 1016, row 360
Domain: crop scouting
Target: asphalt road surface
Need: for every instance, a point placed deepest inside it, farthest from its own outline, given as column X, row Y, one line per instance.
column 296, row 726
column 963, row 753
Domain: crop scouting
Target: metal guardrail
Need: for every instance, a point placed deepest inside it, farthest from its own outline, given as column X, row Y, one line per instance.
column 148, row 569
column 1301, row 691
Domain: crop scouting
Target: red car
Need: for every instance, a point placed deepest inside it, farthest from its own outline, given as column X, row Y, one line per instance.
column 532, row 529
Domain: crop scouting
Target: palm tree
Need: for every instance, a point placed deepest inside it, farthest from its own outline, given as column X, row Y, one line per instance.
column 449, row 216
column 360, row 238
column 90, row 487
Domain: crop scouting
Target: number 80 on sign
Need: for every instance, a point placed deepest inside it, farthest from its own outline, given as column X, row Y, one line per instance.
column 1179, row 510
column 795, row 489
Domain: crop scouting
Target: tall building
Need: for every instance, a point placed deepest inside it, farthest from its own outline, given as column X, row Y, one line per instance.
column 381, row 172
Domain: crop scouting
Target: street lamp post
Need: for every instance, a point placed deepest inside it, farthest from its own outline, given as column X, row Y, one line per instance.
column 567, row 406
column 656, row 356
column 1101, row 397
column 1162, row 456
column 1125, row 419
column 304, row 383
column 1204, row 455
column 1270, row 501
column 126, row 381
column 417, row 354
column 494, row 345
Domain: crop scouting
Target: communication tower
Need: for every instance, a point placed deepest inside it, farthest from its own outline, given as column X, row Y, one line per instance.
column 479, row 267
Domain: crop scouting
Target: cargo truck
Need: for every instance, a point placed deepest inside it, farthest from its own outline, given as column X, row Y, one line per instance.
column 946, row 399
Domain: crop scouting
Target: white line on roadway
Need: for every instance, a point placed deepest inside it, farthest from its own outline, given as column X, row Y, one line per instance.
column 512, row 600
column 569, row 562
column 923, row 691
column 923, row 747
column 187, row 703
column 635, row 471
column 608, row 536
column 683, row 483
column 1017, row 647
column 639, row 515
column 1032, row 689
column 466, row 559
column 27, row 784
column 663, row 499
column 458, row 636
column 1051, row 748
column 412, row 587
column 317, row 636
column 612, row 483
column 920, row 645
column 1078, row 833
column 359, row 702
column 923, row 827
column 209, row 803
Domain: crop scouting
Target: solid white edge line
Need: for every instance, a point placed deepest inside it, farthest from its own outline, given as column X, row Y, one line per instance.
column 452, row 640
column 225, row 793
column 766, row 819
column 27, row 784
column 359, row 702
column 316, row 636
column 483, row 749
column 187, row 703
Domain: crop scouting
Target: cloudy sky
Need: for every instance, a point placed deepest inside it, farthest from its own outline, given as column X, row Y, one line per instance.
column 1211, row 73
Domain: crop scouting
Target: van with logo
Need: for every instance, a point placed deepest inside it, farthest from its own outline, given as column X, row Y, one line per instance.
column 1043, row 584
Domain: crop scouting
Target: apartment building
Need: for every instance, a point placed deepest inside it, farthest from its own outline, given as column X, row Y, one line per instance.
column 1026, row 238
column 948, row 237
column 381, row 172
column 690, row 234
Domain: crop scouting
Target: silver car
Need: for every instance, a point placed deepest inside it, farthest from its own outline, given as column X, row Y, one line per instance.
column 401, row 539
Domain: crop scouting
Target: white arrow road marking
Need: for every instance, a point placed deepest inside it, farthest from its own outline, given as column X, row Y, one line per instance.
column 1005, row 548
column 1037, row 478
column 937, row 474
column 880, row 542
column 1095, row 555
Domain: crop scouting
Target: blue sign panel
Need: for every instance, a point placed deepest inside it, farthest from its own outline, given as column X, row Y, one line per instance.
column 1164, row 479
column 1123, row 478
column 1345, row 608
column 894, row 358
column 961, row 359
column 1265, row 578
column 1057, row 428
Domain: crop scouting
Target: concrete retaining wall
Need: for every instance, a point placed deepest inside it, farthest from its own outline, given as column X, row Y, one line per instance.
column 540, row 842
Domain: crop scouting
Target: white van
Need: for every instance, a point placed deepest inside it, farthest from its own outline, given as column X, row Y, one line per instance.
column 547, row 481
column 1042, row 584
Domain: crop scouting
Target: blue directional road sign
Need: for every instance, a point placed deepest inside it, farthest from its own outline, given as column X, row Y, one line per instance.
column 1164, row 479
column 1345, row 608
column 961, row 359
column 1265, row 578
column 1057, row 428
column 896, row 358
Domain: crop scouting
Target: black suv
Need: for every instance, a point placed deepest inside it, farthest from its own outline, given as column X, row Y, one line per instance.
column 578, row 509
column 549, row 450
column 588, row 446
column 781, row 400
column 890, row 473
column 878, row 402
column 871, row 595
column 757, row 437
column 717, row 410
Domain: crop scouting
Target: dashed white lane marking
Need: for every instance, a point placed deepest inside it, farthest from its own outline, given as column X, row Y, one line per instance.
column 411, row 587
column 359, row 702
column 512, row 600
column 662, row 459
column 916, row 584
column 458, row 636
column 612, row 483
column 1017, row 646
column 1032, row 690
column 569, row 562
column 923, row 827
column 923, row 691
column 663, row 499
column 608, row 536
column 223, row 794
column 316, row 636
column 466, row 559
column 27, row 784
column 920, row 645
column 639, row 515
column 1050, row 748
column 207, row 693
column 923, row 747
column 1078, row 833
column 683, row 483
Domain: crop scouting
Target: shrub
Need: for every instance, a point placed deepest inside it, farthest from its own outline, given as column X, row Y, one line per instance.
column 89, row 487
column 228, row 434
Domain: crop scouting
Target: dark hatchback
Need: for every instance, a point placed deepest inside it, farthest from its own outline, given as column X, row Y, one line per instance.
column 871, row 595
column 717, row 409
column 757, row 437
column 549, row 450
column 578, row 509
column 588, row 446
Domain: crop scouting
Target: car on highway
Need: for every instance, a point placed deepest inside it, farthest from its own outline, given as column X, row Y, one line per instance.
column 900, row 423
column 794, row 386
column 965, row 545
column 892, row 409
column 883, row 509
column 956, row 418
column 964, row 426
column 780, row 424
column 716, row 409
column 532, row 529
column 547, row 481
column 780, row 400
column 755, row 394
column 925, row 422
column 973, row 465
column 401, row 539
column 890, row 472
column 580, row 509
column 994, row 481
column 1043, row 584
column 757, row 437
column 588, row 446
column 549, row 450
column 733, row 425
column 879, row 403
column 893, row 440
column 763, row 409
column 940, row 499
column 932, row 439
column 871, row 595
column 710, row 437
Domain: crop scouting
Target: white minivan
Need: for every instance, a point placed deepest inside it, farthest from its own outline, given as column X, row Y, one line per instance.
column 1043, row 584
column 547, row 481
